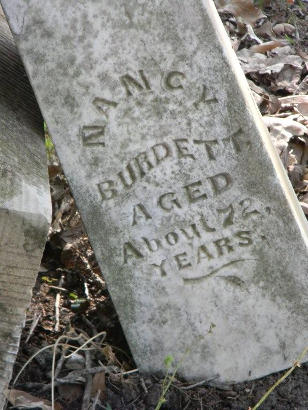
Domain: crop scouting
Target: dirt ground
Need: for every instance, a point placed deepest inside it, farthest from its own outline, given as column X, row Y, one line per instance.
column 70, row 298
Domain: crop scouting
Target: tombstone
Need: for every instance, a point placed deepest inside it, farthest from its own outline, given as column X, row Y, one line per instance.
column 189, row 211
column 25, row 207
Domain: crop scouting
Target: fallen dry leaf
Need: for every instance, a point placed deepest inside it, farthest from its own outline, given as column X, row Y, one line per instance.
column 99, row 386
column 304, row 199
column 268, row 46
column 249, row 39
column 282, row 72
column 243, row 9
column 293, row 127
column 283, row 29
column 295, row 167
column 265, row 30
column 70, row 392
column 300, row 102
column 303, row 86
column 282, row 130
column 304, row 207
column 26, row 400
column 303, row 109
column 267, row 103
column 53, row 170
column 293, row 99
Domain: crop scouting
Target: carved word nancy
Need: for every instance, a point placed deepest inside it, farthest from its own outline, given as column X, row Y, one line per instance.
column 92, row 135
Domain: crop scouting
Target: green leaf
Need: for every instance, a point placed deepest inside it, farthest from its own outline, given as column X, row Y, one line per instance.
column 168, row 361
column 289, row 39
column 73, row 295
column 48, row 279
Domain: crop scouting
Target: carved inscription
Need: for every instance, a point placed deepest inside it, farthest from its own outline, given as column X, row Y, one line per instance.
column 174, row 80
column 130, row 83
column 199, row 242
column 204, row 98
column 213, row 240
column 202, row 253
column 93, row 134
column 179, row 148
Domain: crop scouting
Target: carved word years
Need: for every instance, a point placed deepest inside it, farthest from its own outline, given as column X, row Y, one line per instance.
column 200, row 254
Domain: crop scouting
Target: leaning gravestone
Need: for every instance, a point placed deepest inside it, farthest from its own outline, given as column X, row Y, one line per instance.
column 191, row 216
column 24, row 200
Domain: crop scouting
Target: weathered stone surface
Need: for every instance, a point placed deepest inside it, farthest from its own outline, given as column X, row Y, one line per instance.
column 189, row 211
column 25, row 208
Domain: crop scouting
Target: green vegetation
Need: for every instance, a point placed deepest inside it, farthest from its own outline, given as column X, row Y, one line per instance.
column 296, row 364
column 167, row 380
column 50, row 148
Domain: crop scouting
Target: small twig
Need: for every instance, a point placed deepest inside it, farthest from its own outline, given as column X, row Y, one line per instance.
column 75, row 374
column 86, row 290
column 192, row 386
column 187, row 405
column 60, row 362
column 29, row 386
column 75, row 380
column 95, row 401
column 84, row 372
column 57, row 288
column 87, row 390
column 57, row 305
column 129, row 372
column 143, row 385
column 133, row 401
column 35, row 320
column 89, row 324
column 59, row 382
column 53, row 370
column 82, row 347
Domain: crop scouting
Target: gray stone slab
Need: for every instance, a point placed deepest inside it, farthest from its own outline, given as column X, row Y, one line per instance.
column 190, row 213
column 25, row 208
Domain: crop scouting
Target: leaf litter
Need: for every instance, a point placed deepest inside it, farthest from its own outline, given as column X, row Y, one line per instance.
column 271, row 41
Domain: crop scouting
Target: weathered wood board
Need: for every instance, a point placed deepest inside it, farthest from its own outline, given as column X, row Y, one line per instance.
column 190, row 213
column 25, row 208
